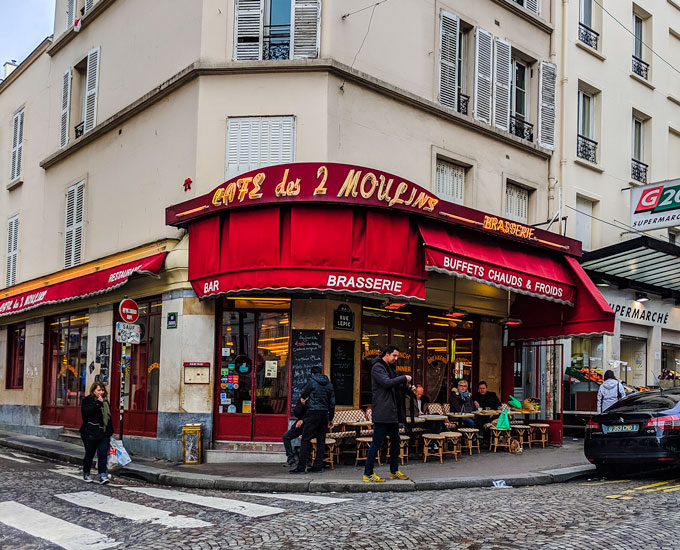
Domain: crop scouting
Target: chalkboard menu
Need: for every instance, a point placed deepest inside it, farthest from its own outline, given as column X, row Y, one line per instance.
column 342, row 371
column 306, row 352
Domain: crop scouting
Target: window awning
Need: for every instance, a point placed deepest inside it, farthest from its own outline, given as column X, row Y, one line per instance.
column 591, row 314
column 504, row 265
column 99, row 282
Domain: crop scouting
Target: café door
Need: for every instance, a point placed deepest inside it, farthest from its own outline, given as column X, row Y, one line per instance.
column 252, row 379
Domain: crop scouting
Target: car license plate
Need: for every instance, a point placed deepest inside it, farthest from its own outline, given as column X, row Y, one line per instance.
column 620, row 428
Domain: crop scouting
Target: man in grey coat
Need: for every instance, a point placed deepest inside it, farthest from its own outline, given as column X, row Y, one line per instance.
column 387, row 410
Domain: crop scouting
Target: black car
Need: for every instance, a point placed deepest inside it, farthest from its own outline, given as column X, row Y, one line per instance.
column 643, row 428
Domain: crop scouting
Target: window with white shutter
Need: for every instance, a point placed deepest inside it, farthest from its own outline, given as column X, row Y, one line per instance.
column 483, row 75
column 17, row 145
column 73, row 226
column 65, row 108
column 516, row 203
column 304, row 34
column 546, row 104
column 248, row 29
column 91, row 88
column 70, row 13
column 533, row 6
column 256, row 142
column 448, row 60
column 502, row 84
column 450, row 182
column 12, row 251
column 89, row 4
column 584, row 219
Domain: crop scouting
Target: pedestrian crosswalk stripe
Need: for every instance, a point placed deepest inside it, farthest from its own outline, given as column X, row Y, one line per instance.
column 28, row 457
column 316, row 499
column 225, row 504
column 57, row 531
column 15, row 459
column 130, row 510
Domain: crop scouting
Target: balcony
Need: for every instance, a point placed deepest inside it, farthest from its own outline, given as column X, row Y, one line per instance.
column 276, row 42
column 588, row 36
column 521, row 128
column 463, row 102
column 640, row 68
column 638, row 171
column 80, row 129
column 586, row 149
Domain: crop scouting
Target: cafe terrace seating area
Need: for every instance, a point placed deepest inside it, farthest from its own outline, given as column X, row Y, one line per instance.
column 435, row 436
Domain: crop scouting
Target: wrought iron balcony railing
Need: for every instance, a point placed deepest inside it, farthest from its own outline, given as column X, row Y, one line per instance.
column 640, row 68
column 638, row 170
column 463, row 102
column 80, row 129
column 276, row 42
column 586, row 148
column 588, row 36
column 521, row 128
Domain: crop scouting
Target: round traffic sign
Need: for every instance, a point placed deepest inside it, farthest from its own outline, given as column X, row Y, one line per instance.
column 129, row 310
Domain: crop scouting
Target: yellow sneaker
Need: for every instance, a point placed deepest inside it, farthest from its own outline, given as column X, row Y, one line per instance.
column 398, row 475
column 373, row 479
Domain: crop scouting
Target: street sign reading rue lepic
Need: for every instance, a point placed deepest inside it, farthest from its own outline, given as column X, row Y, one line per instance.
column 655, row 206
column 127, row 333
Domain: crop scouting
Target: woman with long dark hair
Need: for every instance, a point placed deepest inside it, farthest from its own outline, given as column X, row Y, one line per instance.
column 96, row 431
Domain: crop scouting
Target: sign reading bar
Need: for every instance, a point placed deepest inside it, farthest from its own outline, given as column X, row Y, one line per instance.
column 655, row 206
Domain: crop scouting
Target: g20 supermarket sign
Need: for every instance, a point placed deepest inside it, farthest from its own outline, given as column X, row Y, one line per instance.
column 655, row 206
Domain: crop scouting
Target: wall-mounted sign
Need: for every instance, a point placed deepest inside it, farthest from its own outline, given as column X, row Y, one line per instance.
column 270, row 369
column 197, row 372
column 343, row 318
column 172, row 319
column 656, row 205
column 653, row 312
column 127, row 333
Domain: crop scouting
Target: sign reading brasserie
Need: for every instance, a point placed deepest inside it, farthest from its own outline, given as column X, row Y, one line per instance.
column 656, row 205
column 349, row 184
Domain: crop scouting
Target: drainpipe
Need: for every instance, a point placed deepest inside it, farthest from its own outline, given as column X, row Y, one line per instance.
column 562, row 75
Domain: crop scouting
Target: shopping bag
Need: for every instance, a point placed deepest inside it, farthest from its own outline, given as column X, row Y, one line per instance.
column 111, row 459
column 514, row 403
column 503, row 421
column 122, row 457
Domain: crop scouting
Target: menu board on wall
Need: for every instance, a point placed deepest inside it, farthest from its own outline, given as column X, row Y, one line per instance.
column 306, row 352
column 342, row 371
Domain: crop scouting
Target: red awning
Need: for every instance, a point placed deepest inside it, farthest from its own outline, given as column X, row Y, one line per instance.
column 592, row 314
column 504, row 265
column 81, row 287
column 302, row 248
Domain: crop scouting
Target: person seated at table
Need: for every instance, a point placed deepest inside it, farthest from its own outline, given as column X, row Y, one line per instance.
column 422, row 400
column 461, row 402
column 485, row 398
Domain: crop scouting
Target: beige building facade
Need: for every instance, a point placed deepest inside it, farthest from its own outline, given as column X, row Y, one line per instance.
column 101, row 134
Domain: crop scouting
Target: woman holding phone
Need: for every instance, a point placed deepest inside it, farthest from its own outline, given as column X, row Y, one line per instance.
column 96, row 431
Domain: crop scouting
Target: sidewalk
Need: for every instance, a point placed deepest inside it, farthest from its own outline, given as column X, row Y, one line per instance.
column 535, row 466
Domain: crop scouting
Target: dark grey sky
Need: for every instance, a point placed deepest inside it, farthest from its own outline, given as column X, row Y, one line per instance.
column 23, row 25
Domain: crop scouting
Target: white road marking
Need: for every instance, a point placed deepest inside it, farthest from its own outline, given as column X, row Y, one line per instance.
column 28, row 457
column 66, row 471
column 57, row 531
column 130, row 510
column 15, row 459
column 316, row 499
column 225, row 504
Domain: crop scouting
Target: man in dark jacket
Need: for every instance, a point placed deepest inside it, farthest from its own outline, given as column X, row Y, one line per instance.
column 320, row 411
column 295, row 431
column 461, row 402
column 387, row 410
column 486, row 399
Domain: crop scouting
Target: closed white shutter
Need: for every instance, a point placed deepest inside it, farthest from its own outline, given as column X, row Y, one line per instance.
column 502, row 84
column 584, row 221
column 450, row 182
column 65, row 108
column 91, row 87
column 248, row 30
column 532, row 5
column 88, row 5
column 306, row 18
column 17, row 145
column 483, row 72
column 516, row 203
column 546, row 105
column 256, row 142
column 70, row 13
column 73, row 230
column 12, row 251
column 448, row 61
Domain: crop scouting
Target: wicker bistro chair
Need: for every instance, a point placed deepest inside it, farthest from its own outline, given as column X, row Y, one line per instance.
column 332, row 454
column 499, row 438
column 403, row 448
column 522, row 431
column 538, row 433
column 363, row 443
column 433, row 439
column 452, row 444
column 345, row 436
column 443, row 409
column 470, row 439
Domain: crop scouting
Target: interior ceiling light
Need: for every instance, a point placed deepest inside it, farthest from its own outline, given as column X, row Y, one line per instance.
column 454, row 313
column 641, row 297
column 394, row 305
column 510, row 322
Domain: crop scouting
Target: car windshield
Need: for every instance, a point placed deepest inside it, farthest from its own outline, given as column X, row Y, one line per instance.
column 646, row 401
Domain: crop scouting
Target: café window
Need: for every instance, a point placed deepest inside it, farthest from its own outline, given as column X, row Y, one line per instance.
column 16, row 339
column 584, row 374
column 68, row 358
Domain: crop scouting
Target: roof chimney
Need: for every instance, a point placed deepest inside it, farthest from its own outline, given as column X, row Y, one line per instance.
column 9, row 66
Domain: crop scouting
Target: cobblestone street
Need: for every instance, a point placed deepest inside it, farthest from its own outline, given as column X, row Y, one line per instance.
column 580, row 515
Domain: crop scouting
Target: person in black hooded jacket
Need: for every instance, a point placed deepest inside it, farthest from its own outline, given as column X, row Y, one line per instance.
column 317, row 421
column 96, row 430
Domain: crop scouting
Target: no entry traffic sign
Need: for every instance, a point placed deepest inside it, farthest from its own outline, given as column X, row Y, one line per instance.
column 129, row 310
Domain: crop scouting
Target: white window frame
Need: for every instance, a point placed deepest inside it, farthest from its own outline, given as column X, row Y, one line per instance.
column 585, row 8
column 581, row 130
column 584, row 222
column 638, row 147
column 525, row 115
column 16, row 160
column 515, row 197
column 12, row 251
column 448, row 184
column 638, row 35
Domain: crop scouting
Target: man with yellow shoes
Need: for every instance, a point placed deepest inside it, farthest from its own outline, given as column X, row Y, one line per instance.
column 388, row 410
